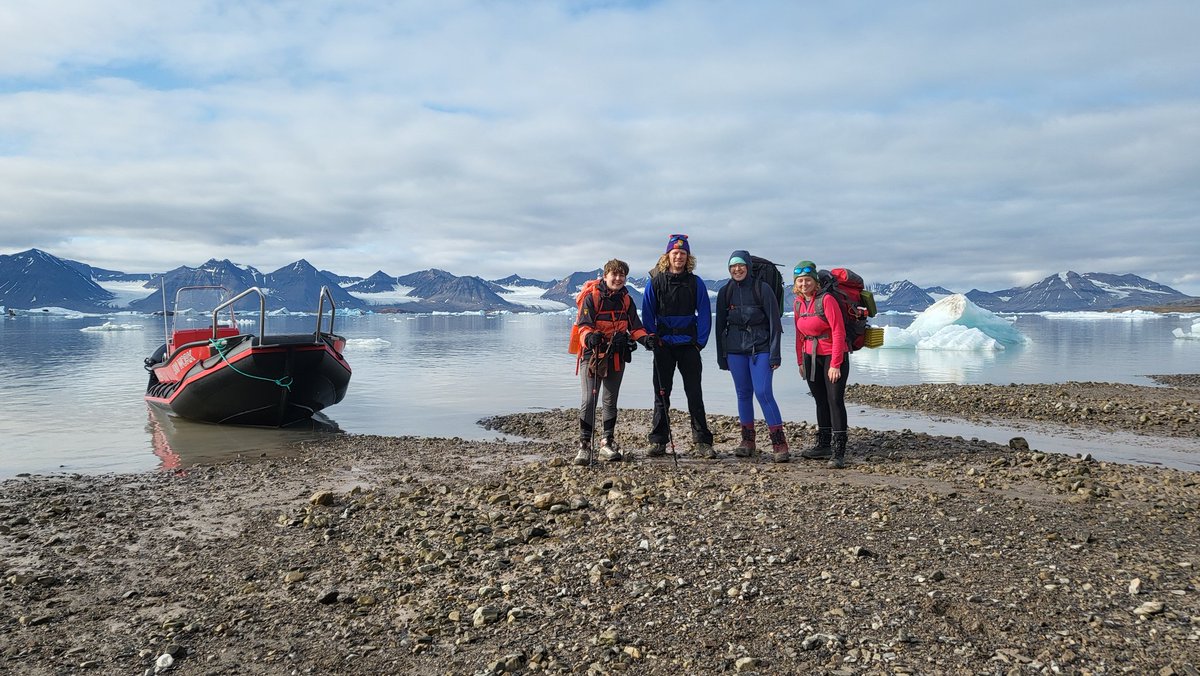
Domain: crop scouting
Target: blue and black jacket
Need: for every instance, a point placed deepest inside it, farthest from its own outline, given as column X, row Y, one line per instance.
column 676, row 308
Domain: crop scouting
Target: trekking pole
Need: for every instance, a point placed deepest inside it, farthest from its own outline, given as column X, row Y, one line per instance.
column 595, row 369
column 662, row 400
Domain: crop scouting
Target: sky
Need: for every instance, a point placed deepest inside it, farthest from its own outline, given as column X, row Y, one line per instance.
column 963, row 144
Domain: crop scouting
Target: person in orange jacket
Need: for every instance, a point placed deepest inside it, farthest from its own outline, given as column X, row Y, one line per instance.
column 608, row 327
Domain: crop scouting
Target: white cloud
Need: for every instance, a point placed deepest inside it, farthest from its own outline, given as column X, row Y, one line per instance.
column 967, row 145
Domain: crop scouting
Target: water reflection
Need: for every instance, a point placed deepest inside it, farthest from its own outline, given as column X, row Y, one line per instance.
column 924, row 366
column 180, row 443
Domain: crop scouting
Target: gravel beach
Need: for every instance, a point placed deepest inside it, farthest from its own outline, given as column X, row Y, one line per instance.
column 402, row 555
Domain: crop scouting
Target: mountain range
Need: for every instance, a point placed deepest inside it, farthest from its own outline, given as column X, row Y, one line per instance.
column 36, row 279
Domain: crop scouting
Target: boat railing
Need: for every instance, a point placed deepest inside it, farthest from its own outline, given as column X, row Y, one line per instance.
column 262, row 311
column 321, row 311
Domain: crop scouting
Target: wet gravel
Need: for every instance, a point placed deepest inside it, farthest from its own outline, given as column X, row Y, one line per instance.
column 370, row 555
column 1155, row 411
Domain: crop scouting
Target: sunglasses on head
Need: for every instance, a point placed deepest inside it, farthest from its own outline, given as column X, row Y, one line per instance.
column 804, row 270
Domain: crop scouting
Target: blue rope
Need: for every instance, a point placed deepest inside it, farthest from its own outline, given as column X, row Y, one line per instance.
column 219, row 345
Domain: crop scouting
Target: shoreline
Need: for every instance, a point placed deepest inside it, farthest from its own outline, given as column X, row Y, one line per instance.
column 366, row 554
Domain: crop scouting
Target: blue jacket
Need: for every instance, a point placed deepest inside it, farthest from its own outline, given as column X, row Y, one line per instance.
column 748, row 321
column 678, row 319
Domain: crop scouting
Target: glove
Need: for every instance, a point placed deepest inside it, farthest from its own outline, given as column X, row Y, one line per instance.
column 648, row 341
column 620, row 341
column 723, row 363
column 594, row 340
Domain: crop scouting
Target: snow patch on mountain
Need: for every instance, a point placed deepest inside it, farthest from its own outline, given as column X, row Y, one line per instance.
column 397, row 295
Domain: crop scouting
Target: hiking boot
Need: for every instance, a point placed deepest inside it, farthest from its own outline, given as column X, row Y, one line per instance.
column 706, row 451
column 822, row 448
column 584, row 455
column 609, row 451
column 838, row 461
column 656, row 451
column 747, row 447
column 779, row 445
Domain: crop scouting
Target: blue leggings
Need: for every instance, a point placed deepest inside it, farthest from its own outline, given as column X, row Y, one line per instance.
column 752, row 378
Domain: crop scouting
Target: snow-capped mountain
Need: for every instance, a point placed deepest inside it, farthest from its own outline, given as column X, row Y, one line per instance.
column 517, row 280
column 1070, row 291
column 436, row 290
column 235, row 278
column 901, row 296
column 380, row 282
column 297, row 287
column 565, row 289
column 35, row 278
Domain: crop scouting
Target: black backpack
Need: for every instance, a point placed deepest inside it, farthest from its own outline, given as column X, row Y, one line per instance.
column 767, row 272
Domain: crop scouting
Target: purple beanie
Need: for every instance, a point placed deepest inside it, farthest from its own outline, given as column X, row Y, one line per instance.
column 678, row 242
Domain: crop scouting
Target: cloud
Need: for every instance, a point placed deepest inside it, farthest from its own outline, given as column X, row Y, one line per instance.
column 975, row 145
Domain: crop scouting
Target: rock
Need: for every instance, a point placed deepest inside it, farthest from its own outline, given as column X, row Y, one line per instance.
column 322, row 498
column 1018, row 444
column 745, row 664
column 1149, row 608
column 294, row 576
column 485, row 615
column 814, row 641
column 546, row 500
column 1135, row 586
column 163, row 663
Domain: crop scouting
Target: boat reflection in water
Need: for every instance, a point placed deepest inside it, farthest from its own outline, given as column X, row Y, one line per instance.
column 181, row 443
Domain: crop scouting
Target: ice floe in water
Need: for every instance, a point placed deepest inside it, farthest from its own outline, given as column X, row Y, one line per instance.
column 109, row 326
column 954, row 323
column 367, row 343
column 1194, row 334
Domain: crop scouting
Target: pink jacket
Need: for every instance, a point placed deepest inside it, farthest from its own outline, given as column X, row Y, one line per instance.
column 827, row 328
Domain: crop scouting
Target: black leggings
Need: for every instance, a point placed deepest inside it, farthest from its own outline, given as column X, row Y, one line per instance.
column 830, row 397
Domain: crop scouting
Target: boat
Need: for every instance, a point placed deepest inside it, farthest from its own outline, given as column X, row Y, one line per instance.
column 222, row 374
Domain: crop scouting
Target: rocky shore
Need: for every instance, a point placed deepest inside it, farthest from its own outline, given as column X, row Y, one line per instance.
column 1156, row 411
column 371, row 555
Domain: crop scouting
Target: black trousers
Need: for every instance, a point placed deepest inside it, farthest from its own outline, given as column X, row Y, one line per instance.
column 830, row 397
column 687, row 359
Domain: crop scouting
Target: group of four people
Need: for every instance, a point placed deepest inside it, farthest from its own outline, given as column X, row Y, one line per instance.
column 675, row 324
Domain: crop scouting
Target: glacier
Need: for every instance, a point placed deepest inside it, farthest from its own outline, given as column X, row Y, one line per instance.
column 954, row 323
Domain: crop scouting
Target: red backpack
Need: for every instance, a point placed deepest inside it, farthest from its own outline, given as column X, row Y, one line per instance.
column 592, row 287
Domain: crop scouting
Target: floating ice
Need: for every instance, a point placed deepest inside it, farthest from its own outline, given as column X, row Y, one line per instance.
column 954, row 323
column 367, row 343
column 1194, row 334
column 109, row 326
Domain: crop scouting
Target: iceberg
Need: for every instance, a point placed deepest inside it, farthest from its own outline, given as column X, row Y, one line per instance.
column 367, row 343
column 1194, row 334
column 954, row 323
column 109, row 326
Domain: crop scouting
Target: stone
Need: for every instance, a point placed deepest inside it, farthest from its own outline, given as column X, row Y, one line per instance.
column 744, row 664
column 322, row 498
column 1149, row 608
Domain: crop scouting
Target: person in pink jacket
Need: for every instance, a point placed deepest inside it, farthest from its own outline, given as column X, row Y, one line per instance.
column 821, row 354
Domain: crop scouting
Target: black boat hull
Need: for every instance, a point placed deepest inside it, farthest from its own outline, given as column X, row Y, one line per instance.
column 276, row 384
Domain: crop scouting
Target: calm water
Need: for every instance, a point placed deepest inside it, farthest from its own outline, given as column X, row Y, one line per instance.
column 72, row 400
